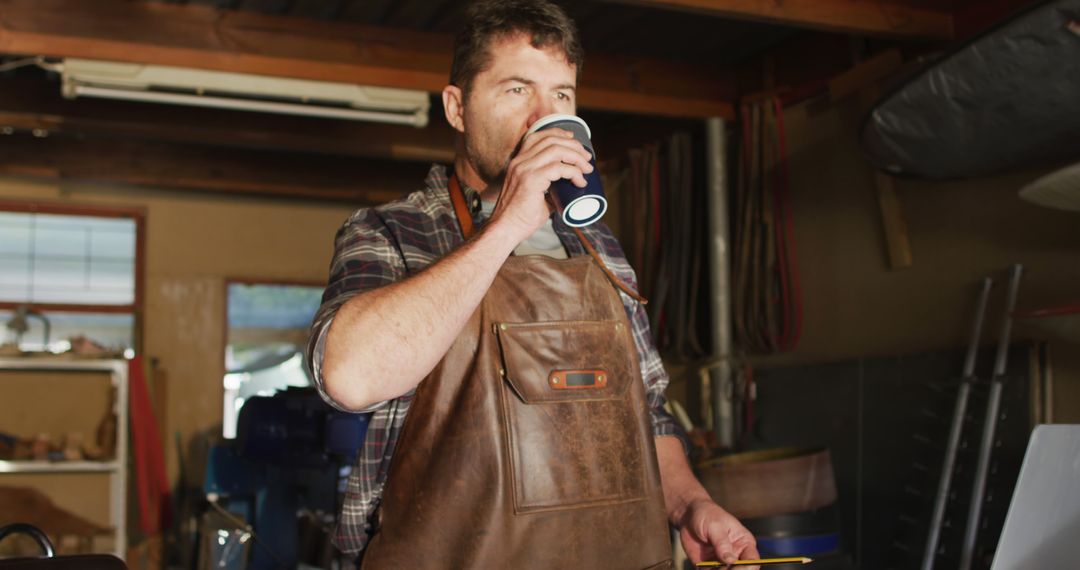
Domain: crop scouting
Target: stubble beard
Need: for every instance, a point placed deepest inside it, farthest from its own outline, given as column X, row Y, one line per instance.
column 488, row 157
column 488, row 164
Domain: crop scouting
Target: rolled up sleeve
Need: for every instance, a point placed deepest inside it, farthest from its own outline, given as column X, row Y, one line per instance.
column 366, row 257
column 654, row 376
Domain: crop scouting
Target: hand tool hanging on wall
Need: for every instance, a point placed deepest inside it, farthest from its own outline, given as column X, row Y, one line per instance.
column 957, row 426
column 767, row 298
column 993, row 403
column 682, row 252
column 665, row 215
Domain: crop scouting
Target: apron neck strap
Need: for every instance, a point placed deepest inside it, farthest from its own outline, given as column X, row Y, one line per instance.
column 464, row 216
column 607, row 272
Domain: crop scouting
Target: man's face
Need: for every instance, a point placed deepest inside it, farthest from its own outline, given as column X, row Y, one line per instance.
column 521, row 85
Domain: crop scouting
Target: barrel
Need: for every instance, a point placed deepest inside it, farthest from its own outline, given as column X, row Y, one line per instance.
column 786, row 497
column 812, row 533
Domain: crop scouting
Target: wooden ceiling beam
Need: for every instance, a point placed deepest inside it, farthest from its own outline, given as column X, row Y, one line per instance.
column 859, row 17
column 976, row 16
column 246, row 42
column 166, row 166
column 32, row 104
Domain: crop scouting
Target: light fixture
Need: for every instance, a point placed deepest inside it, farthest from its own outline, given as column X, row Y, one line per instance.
column 1059, row 189
column 246, row 92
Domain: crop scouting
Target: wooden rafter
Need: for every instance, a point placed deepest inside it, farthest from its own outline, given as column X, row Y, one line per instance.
column 246, row 42
column 975, row 16
column 859, row 17
column 213, row 170
column 29, row 105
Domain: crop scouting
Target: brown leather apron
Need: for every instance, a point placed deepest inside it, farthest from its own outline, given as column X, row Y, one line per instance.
column 529, row 445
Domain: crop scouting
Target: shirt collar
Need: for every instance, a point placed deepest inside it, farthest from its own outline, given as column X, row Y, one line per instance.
column 472, row 197
column 438, row 181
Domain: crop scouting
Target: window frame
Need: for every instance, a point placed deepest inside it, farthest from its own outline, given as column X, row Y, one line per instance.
column 138, row 215
column 228, row 282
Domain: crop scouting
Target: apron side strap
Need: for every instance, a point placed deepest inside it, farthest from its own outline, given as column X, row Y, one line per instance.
column 611, row 276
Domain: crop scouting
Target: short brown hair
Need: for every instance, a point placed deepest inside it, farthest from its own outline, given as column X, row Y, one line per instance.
column 546, row 24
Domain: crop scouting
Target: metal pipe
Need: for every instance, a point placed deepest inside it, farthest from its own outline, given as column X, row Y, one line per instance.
column 720, row 285
column 966, row 380
column 967, row 553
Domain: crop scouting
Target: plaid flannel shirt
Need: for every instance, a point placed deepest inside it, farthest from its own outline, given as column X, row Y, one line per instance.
column 379, row 246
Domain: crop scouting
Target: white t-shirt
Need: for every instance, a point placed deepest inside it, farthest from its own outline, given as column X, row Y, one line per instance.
column 544, row 241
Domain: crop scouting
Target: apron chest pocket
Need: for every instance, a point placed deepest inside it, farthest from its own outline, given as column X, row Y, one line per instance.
column 573, row 429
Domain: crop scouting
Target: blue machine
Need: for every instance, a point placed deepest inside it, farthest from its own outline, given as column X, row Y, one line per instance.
column 290, row 454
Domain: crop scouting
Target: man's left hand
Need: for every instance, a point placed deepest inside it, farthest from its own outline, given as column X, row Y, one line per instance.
column 711, row 533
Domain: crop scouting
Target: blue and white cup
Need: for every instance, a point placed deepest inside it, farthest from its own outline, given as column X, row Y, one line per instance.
column 578, row 207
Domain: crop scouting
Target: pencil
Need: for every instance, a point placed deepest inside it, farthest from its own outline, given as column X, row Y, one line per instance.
column 789, row 560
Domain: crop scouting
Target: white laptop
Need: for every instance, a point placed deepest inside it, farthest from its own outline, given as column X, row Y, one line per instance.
column 1042, row 527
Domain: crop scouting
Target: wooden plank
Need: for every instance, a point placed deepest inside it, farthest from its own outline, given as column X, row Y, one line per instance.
column 213, row 170
column 859, row 17
column 973, row 17
column 29, row 104
column 656, row 105
column 865, row 74
column 70, row 308
column 803, row 61
column 244, row 42
column 893, row 222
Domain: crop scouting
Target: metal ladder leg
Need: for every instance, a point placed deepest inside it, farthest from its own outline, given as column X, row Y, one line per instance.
column 967, row 554
column 959, row 411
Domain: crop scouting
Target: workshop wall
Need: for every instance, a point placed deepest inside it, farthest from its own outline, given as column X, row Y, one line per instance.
column 856, row 306
column 194, row 242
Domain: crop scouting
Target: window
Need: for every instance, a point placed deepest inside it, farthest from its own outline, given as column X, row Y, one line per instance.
column 48, row 258
column 69, row 272
column 267, row 332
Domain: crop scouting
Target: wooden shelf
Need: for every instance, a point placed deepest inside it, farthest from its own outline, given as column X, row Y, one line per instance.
column 59, row 466
column 116, row 469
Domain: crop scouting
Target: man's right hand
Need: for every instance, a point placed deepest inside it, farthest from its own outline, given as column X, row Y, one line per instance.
column 544, row 157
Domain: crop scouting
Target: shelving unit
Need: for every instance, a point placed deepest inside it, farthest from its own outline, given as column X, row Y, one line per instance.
column 117, row 468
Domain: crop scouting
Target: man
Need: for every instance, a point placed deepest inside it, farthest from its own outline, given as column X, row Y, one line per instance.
column 478, row 455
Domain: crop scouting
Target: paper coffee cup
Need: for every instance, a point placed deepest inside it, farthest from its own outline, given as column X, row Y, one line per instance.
column 578, row 207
